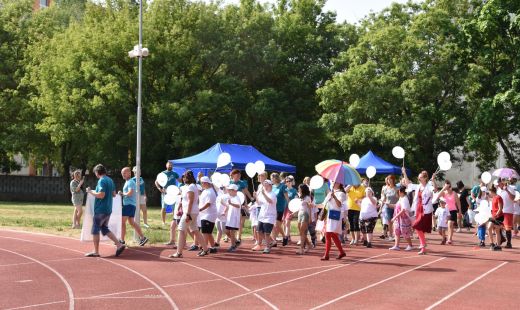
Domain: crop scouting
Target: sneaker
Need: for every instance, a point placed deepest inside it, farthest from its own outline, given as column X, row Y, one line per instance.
column 256, row 248
column 324, row 258
column 237, row 243
column 122, row 241
column 213, row 250
column 422, row 251
column 232, row 249
column 273, row 244
column 313, row 242
column 369, row 244
column 391, row 239
column 279, row 238
column 193, row 248
column 285, row 241
column 365, row 243
column 143, row 241
column 508, row 246
column 341, row 255
column 382, row 237
column 266, row 251
column 449, row 242
column 443, row 242
column 322, row 239
column 202, row 253
column 497, row 248
column 353, row 242
column 226, row 239
column 395, row 248
column 458, row 230
column 216, row 245
column 298, row 243
column 491, row 246
column 120, row 250
column 146, row 225
column 409, row 248
column 482, row 244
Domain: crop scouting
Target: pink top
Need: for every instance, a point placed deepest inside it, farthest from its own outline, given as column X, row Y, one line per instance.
column 450, row 201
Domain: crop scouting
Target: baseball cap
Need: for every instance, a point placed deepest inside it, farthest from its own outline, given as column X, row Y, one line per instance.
column 205, row 179
column 233, row 187
column 268, row 182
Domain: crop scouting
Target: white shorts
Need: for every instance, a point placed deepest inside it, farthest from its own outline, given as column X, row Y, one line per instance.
column 142, row 200
column 191, row 225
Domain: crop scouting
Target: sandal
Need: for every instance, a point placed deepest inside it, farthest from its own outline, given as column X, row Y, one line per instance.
column 176, row 255
column 92, row 254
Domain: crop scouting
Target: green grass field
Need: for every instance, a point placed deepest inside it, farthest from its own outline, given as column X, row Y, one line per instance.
column 56, row 219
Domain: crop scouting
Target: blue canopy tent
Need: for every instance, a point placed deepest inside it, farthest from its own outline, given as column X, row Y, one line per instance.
column 241, row 155
column 382, row 166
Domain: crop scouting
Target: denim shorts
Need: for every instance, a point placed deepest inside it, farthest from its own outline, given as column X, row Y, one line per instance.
column 100, row 223
column 128, row 210
column 265, row 228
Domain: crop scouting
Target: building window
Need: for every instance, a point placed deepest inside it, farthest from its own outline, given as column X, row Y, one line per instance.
column 43, row 3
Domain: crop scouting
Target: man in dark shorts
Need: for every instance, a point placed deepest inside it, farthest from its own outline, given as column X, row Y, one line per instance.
column 104, row 192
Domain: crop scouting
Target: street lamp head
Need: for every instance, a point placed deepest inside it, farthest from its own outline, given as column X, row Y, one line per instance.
column 138, row 52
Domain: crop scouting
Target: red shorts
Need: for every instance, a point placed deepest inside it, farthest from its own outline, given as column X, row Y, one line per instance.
column 508, row 221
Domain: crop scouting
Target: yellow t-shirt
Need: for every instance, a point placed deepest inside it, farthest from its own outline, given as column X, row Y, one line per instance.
column 355, row 194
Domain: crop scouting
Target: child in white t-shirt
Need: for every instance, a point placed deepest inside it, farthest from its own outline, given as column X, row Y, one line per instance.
column 442, row 214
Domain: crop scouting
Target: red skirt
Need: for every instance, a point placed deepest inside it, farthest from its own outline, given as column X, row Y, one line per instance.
column 423, row 222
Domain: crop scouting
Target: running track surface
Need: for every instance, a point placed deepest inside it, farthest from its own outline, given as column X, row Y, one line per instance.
column 40, row 271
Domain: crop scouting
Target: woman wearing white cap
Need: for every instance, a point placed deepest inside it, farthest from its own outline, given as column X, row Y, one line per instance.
column 267, row 216
column 233, row 207
column 208, row 213
column 190, row 212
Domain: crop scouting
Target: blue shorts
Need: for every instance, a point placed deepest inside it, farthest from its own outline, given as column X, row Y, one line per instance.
column 389, row 213
column 265, row 228
column 100, row 224
column 128, row 210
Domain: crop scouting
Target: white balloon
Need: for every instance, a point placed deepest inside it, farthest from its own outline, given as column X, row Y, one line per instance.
column 224, row 179
column 486, row 177
column 242, row 197
column 316, row 182
column 354, row 160
column 295, row 204
column 371, row 171
column 162, row 179
column 398, row 152
column 172, row 190
column 223, row 159
column 250, row 170
column 445, row 166
column 260, row 166
column 443, row 157
column 170, row 199
column 215, row 179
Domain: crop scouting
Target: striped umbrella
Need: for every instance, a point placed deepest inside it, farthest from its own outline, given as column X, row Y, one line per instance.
column 338, row 171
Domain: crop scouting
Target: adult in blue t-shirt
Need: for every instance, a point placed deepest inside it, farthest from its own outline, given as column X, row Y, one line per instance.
column 104, row 193
column 129, row 194
column 281, row 203
column 172, row 180
column 142, row 199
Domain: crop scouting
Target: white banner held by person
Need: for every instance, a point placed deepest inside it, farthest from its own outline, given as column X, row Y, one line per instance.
column 114, row 224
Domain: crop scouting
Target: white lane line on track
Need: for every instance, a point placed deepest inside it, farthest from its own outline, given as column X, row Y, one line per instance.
column 157, row 286
column 59, row 275
column 375, row 284
column 45, row 261
column 289, row 281
column 464, row 286
column 38, row 305
column 23, row 281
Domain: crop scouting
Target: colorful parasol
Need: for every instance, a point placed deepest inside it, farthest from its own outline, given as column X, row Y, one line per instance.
column 506, row 173
column 338, row 171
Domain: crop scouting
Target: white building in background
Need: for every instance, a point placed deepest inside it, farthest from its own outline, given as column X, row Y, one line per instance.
column 468, row 172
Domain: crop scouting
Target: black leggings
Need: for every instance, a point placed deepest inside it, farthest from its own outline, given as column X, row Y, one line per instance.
column 353, row 219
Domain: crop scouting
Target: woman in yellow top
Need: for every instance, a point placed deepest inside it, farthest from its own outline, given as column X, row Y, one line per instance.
column 355, row 195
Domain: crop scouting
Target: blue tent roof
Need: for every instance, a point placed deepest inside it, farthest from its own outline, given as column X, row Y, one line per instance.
column 241, row 155
column 382, row 166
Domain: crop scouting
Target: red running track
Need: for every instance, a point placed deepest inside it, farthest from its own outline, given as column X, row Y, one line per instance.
column 40, row 271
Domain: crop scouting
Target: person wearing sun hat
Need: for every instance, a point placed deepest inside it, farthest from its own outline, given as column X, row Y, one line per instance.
column 208, row 213
column 232, row 209
column 267, row 216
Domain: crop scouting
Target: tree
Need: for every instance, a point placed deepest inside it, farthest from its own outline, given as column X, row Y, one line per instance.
column 402, row 85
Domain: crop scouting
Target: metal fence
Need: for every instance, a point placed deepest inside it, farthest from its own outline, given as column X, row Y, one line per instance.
column 56, row 189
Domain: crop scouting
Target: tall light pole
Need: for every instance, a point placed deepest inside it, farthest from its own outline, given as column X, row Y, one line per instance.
column 139, row 52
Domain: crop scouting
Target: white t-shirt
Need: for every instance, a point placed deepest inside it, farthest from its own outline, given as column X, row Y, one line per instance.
column 233, row 214
column 304, row 207
column 210, row 213
column 427, row 197
column 331, row 224
column 508, row 202
column 404, row 204
column 442, row 215
column 185, row 201
column 267, row 210
column 221, row 207
column 368, row 209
